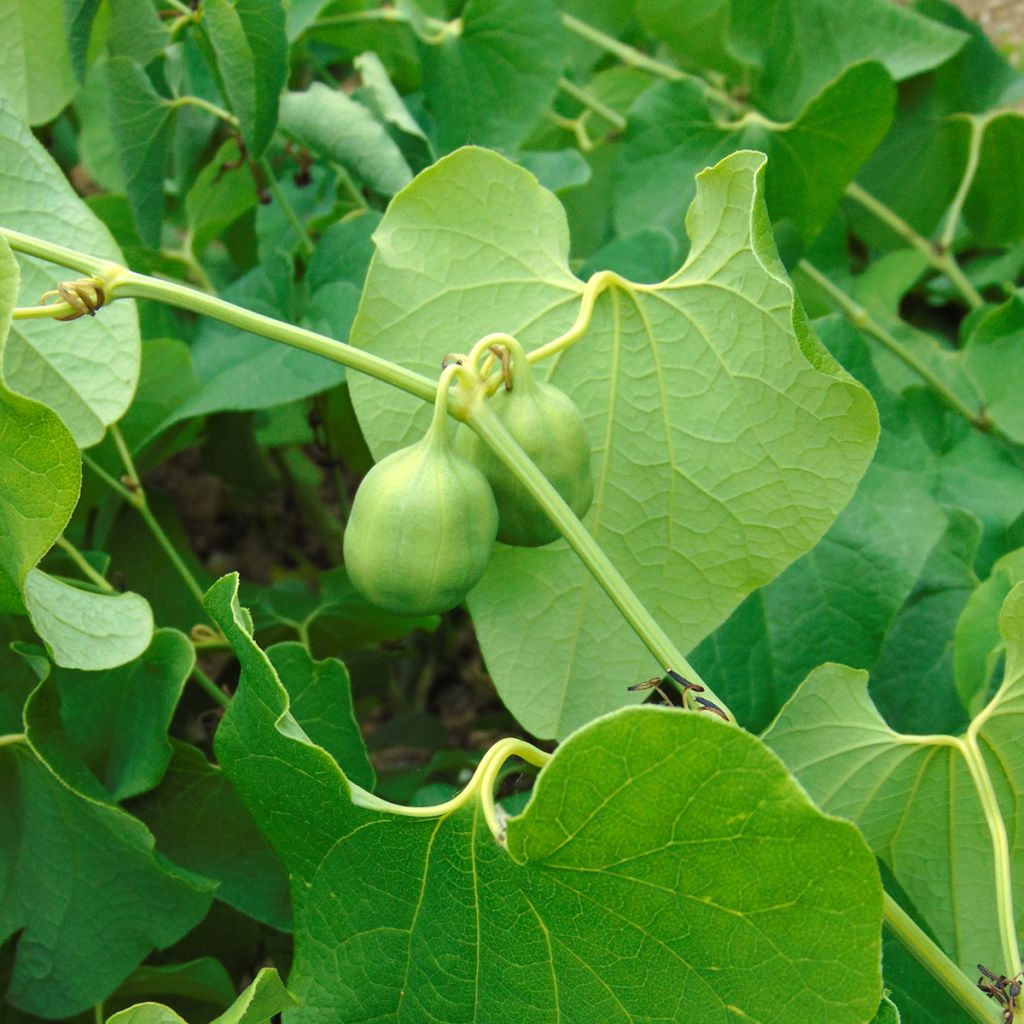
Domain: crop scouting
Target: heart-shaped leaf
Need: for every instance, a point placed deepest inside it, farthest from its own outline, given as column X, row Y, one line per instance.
column 35, row 66
column 665, row 869
column 85, row 371
column 725, row 439
column 915, row 798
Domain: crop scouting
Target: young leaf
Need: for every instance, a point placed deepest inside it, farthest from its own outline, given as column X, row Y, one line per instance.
column 82, row 884
column 141, row 120
column 915, row 798
column 86, row 372
column 118, row 720
column 86, row 630
column 672, row 134
column 200, row 823
column 343, row 131
column 619, row 889
column 725, row 440
column 476, row 64
column 264, row 999
column 248, row 41
column 35, row 67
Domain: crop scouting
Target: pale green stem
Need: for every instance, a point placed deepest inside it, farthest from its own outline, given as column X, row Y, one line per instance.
column 861, row 319
column 44, row 312
column 129, row 284
column 98, row 1013
column 136, row 497
column 589, row 100
column 944, row 262
column 355, row 17
column 289, row 211
column 973, row 156
column 480, row 786
column 1000, row 852
column 211, row 688
column 125, row 453
column 181, row 8
column 9, row 739
column 211, row 108
column 92, row 266
column 80, row 560
column 494, row 433
column 191, row 265
column 937, row 964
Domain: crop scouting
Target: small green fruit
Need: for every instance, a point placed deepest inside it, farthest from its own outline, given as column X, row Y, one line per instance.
column 421, row 530
column 549, row 427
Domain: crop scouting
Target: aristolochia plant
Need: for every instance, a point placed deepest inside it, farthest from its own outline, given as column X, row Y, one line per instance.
column 639, row 464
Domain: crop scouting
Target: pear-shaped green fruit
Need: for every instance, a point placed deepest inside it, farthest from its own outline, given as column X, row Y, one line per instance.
column 550, row 429
column 421, row 530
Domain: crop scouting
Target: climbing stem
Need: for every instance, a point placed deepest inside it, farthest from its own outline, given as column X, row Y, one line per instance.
column 977, row 132
column 945, row 262
column 862, row 319
column 480, row 786
column 494, row 433
column 936, row 963
column 211, row 688
column 82, row 562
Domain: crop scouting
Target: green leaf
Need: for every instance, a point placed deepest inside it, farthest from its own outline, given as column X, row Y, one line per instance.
column 263, row 999
column 86, row 630
column 39, row 466
column 79, row 16
column 141, row 121
column 794, row 30
column 994, row 209
column 993, row 359
column 725, row 440
column 616, row 890
column 96, row 145
column 86, row 374
column 911, row 561
column 913, row 796
column 118, row 719
column 81, row 882
column 35, row 66
column 320, row 696
column 200, row 823
column 496, row 50
column 136, row 31
column 380, row 95
column 978, row 649
column 204, row 980
column 248, row 41
column 888, row 1013
column 672, row 134
column 343, row 131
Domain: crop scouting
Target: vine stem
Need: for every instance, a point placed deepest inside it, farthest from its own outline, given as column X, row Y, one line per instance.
column 480, row 786
column 861, row 319
column 941, row 261
column 935, row 962
column 482, row 419
column 80, row 560
column 976, row 127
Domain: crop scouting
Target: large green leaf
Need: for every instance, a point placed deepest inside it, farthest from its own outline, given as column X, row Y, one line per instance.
column 118, row 719
column 345, row 132
column 85, row 371
column 994, row 358
column 725, row 439
column 79, row 878
column 665, row 869
column 200, row 823
column 490, row 74
column 262, row 1001
column 890, row 561
column 248, row 41
column 994, row 209
column 913, row 796
column 141, row 121
column 35, row 66
column 672, row 134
